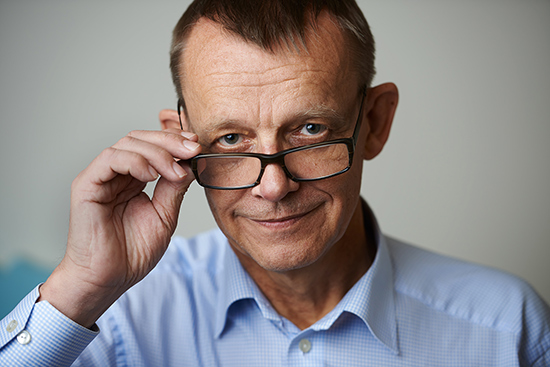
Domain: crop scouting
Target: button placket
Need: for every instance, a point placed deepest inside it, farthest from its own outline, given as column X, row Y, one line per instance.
column 24, row 337
column 304, row 345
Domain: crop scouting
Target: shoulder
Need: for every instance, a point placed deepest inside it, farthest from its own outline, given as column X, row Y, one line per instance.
column 470, row 292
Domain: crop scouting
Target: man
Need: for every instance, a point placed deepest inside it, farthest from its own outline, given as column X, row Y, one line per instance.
column 276, row 116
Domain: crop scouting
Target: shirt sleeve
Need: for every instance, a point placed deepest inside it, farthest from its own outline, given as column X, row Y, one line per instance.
column 37, row 334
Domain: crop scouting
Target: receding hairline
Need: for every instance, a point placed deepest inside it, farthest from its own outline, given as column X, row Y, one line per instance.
column 356, row 33
column 326, row 39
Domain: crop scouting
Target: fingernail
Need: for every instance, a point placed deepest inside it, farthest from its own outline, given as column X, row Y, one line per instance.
column 179, row 170
column 191, row 145
column 153, row 172
column 189, row 135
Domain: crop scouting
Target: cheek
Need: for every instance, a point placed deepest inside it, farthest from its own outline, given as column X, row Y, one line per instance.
column 347, row 186
column 344, row 193
column 222, row 204
column 347, row 195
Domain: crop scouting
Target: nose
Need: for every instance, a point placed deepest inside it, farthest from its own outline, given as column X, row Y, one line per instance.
column 275, row 184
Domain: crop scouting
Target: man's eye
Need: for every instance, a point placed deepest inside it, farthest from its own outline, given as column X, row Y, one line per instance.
column 313, row 129
column 230, row 139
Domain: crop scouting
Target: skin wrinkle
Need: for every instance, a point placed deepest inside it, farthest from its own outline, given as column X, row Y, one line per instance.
column 215, row 90
column 258, row 84
column 338, row 122
column 221, row 123
column 245, row 72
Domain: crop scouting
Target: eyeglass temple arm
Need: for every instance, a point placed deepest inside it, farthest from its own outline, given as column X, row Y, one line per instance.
column 355, row 135
column 180, row 107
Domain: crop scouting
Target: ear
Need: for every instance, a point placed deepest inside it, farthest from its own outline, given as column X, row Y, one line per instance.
column 381, row 105
column 169, row 120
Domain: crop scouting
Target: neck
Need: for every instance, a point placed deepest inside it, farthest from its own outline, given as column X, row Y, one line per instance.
column 304, row 296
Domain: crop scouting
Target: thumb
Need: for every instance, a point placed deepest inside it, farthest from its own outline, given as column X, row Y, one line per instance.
column 167, row 199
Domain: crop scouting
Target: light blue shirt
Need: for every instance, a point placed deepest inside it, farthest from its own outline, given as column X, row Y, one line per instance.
column 199, row 307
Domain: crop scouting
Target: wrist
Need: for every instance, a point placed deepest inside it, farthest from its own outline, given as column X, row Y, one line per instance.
column 77, row 300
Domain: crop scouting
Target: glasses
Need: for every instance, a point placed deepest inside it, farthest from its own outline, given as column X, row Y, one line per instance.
column 311, row 162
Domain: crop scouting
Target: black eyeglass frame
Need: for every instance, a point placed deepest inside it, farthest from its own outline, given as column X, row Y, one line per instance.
column 278, row 158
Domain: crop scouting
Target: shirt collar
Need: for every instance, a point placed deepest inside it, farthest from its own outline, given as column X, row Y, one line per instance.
column 237, row 285
column 371, row 298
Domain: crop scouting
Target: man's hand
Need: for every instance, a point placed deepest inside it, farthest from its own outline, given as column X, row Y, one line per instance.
column 117, row 234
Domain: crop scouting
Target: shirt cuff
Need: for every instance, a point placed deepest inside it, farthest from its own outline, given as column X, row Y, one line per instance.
column 38, row 334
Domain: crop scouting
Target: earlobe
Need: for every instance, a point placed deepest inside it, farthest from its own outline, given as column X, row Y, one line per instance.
column 382, row 103
column 169, row 120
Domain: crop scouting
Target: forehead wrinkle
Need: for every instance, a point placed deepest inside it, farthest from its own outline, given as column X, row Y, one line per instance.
column 314, row 112
column 280, row 61
column 260, row 81
column 251, row 84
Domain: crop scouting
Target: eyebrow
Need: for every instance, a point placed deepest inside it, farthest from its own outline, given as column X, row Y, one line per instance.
column 323, row 112
column 219, row 124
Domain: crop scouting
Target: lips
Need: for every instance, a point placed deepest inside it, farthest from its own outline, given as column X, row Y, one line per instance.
column 282, row 221
column 278, row 224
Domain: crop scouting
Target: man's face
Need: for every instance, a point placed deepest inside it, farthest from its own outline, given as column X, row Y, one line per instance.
column 240, row 98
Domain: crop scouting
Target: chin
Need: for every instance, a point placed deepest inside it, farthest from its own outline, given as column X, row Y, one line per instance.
column 284, row 258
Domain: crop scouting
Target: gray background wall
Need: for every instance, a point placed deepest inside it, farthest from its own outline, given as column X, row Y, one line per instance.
column 466, row 171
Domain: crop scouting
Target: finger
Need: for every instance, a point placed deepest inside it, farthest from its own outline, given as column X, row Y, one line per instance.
column 186, row 134
column 180, row 144
column 167, row 199
column 109, row 174
column 112, row 162
column 160, row 158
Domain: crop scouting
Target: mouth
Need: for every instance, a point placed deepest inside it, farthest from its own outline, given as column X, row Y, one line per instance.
column 281, row 222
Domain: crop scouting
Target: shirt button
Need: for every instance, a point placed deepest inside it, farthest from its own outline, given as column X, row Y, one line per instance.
column 24, row 337
column 11, row 326
column 304, row 345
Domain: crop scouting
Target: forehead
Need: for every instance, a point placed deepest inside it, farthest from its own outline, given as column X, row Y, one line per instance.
column 207, row 39
column 220, row 70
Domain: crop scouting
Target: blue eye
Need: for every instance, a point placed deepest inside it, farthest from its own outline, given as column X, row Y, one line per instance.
column 230, row 139
column 313, row 129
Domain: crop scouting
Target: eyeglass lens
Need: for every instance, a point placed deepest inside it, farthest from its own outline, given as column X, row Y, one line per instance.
column 312, row 163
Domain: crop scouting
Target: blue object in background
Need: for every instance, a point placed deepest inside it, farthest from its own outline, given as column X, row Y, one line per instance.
column 16, row 280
